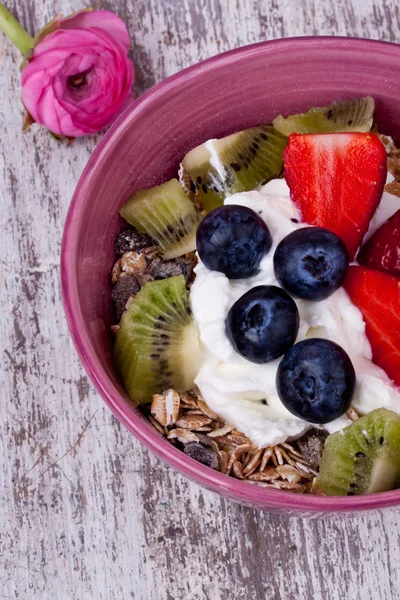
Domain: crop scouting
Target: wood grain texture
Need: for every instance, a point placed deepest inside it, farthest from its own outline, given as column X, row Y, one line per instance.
column 85, row 511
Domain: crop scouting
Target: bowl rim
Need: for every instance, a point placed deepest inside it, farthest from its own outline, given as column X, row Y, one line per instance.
column 257, row 496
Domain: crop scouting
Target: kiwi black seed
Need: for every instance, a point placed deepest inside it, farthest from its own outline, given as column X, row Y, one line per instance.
column 362, row 458
column 167, row 215
column 156, row 346
column 246, row 159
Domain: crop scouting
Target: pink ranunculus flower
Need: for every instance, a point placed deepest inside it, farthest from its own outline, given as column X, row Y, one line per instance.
column 79, row 79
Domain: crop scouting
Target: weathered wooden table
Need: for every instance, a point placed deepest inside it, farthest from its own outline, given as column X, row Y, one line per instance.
column 85, row 511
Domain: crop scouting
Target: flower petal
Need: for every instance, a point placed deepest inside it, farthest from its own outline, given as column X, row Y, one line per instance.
column 63, row 41
column 103, row 19
column 129, row 99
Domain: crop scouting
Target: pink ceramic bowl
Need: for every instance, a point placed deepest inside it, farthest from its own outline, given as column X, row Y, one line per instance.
column 239, row 89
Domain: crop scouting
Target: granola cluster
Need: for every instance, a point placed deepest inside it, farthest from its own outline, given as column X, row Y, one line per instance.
column 187, row 422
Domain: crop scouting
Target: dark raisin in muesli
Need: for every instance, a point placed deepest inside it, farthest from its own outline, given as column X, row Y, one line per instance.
column 203, row 455
column 124, row 288
column 311, row 445
column 161, row 269
column 132, row 240
column 204, row 440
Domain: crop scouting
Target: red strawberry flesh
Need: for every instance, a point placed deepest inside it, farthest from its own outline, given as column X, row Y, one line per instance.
column 382, row 250
column 377, row 295
column 336, row 181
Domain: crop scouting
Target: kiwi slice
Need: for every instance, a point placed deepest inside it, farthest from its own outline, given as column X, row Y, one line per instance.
column 363, row 458
column 166, row 214
column 236, row 163
column 157, row 346
column 356, row 114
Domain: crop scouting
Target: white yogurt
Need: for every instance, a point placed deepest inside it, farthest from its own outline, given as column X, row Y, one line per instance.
column 244, row 393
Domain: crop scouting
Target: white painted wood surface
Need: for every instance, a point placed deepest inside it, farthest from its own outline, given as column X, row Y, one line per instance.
column 85, row 511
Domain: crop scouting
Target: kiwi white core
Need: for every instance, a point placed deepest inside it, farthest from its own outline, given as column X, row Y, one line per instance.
column 198, row 156
column 190, row 355
column 214, row 158
column 383, row 474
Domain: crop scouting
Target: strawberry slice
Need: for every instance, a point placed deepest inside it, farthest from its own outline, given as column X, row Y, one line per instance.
column 377, row 295
column 382, row 250
column 336, row 181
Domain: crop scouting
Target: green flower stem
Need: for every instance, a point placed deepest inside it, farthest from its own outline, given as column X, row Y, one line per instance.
column 14, row 31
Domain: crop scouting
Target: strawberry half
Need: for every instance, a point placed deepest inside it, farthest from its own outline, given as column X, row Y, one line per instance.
column 377, row 295
column 336, row 181
column 382, row 250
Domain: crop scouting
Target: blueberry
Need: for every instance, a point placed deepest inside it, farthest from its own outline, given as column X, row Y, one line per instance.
column 316, row 380
column 263, row 323
column 311, row 263
column 233, row 239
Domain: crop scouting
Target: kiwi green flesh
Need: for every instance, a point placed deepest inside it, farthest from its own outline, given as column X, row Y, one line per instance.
column 254, row 157
column 156, row 346
column 356, row 114
column 166, row 214
column 247, row 158
column 363, row 458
